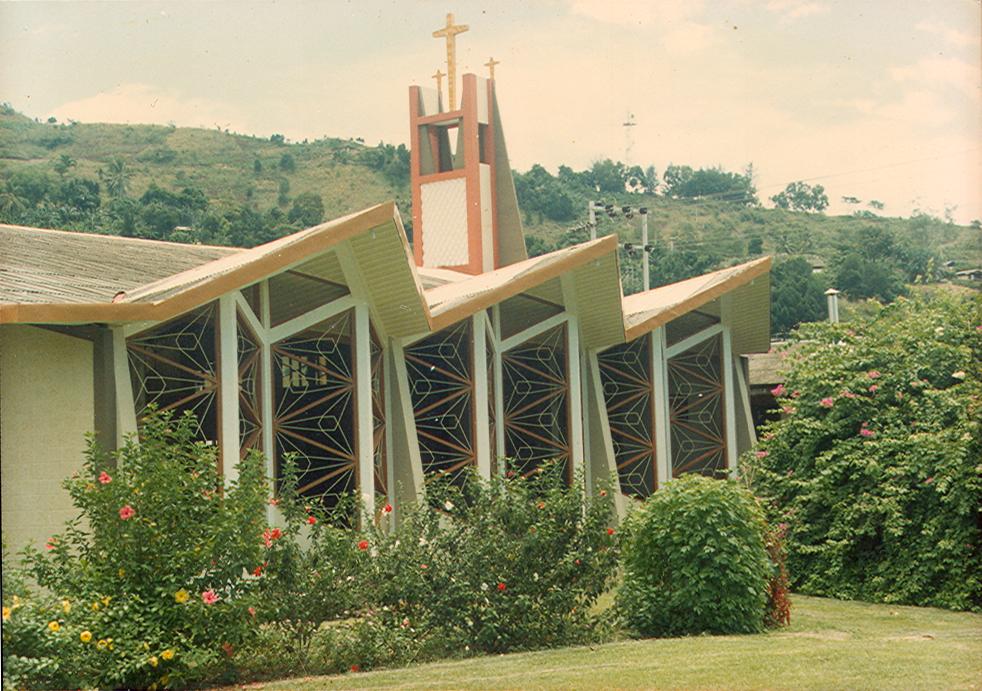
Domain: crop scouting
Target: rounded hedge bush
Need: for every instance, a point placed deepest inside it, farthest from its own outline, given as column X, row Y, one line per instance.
column 695, row 561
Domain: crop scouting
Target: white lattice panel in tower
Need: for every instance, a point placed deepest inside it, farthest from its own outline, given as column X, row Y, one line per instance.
column 487, row 232
column 444, row 217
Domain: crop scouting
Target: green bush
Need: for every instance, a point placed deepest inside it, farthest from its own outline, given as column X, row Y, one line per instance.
column 508, row 564
column 875, row 464
column 147, row 587
column 695, row 561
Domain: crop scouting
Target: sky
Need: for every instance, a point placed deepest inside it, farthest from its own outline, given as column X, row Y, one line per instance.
column 873, row 99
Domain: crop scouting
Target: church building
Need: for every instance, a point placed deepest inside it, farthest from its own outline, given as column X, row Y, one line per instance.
column 378, row 363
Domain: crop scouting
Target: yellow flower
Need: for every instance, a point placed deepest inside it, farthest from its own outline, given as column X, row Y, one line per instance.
column 122, row 572
column 101, row 644
column 95, row 606
column 153, row 661
column 167, row 654
column 105, row 600
column 16, row 602
column 66, row 606
column 54, row 626
column 6, row 614
column 85, row 636
column 181, row 596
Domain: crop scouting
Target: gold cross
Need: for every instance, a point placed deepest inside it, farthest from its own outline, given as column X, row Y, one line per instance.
column 450, row 32
column 438, row 76
column 490, row 65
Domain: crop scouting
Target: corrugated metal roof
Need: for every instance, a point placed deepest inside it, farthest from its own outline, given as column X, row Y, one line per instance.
column 39, row 266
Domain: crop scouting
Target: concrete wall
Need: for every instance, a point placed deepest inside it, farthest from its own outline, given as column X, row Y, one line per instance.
column 46, row 407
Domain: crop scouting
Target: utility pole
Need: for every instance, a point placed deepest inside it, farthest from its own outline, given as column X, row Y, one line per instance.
column 645, row 248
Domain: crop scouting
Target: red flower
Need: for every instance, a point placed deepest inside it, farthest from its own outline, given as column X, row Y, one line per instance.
column 50, row 544
column 104, row 478
column 423, row 567
column 929, row 480
column 761, row 454
column 610, row 531
column 363, row 545
column 541, row 505
column 228, row 648
column 510, row 473
column 252, row 611
column 827, row 402
column 274, row 501
column 258, row 571
column 311, row 520
column 355, row 668
column 578, row 562
column 777, row 390
column 127, row 512
column 873, row 388
column 276, row 534
column 873, row 374
column 387, row 508
column 501, row 587
column 209, row 597
column 603, row 493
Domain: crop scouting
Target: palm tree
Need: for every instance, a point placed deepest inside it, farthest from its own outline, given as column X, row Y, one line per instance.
column 116, row 177
column 63, row 163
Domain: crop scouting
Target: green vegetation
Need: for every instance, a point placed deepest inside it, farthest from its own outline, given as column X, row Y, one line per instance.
column 875, row 463
column 829, row 644
column 209, row 186
column 695, row 562
column 148, row 584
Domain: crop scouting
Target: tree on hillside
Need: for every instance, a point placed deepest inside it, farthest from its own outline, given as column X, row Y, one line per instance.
column 116, row 177
column 287, row 163
column 607, row 176
column 685, row 183
column 800, row 196
column 63, row 164
column 797, row 295
column 868, row 264
column 540, row 193
column 308, row 210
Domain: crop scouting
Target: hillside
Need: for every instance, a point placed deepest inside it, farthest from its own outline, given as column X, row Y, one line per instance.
column 217, row 187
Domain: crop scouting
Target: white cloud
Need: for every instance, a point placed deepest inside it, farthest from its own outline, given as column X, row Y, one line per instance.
column 675, row 25
column 962, row 76
column 962, row 39
column 145, row 103
column 795, row 9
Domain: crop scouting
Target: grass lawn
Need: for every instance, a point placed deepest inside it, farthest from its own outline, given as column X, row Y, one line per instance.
column 830, row 645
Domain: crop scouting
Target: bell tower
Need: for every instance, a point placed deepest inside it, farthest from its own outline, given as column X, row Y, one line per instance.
column 465, row 212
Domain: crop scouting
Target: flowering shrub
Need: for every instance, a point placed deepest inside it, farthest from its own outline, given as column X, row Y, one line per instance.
column 695, row 561
column 507, row 564
column 148, row 585
column 875, row 465
column 312, row 571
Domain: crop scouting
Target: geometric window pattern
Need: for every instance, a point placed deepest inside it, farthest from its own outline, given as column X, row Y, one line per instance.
column 442, row 388
column 626, row 374
column 695, row 389
column 536, row 403
column 378, row 416
column 250, row 389
column 313, row 402
column 174, row 367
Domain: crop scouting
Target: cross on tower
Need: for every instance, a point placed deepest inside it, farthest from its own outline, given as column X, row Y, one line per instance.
column 490, row 65
column 450, row 32
column 438, row 76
